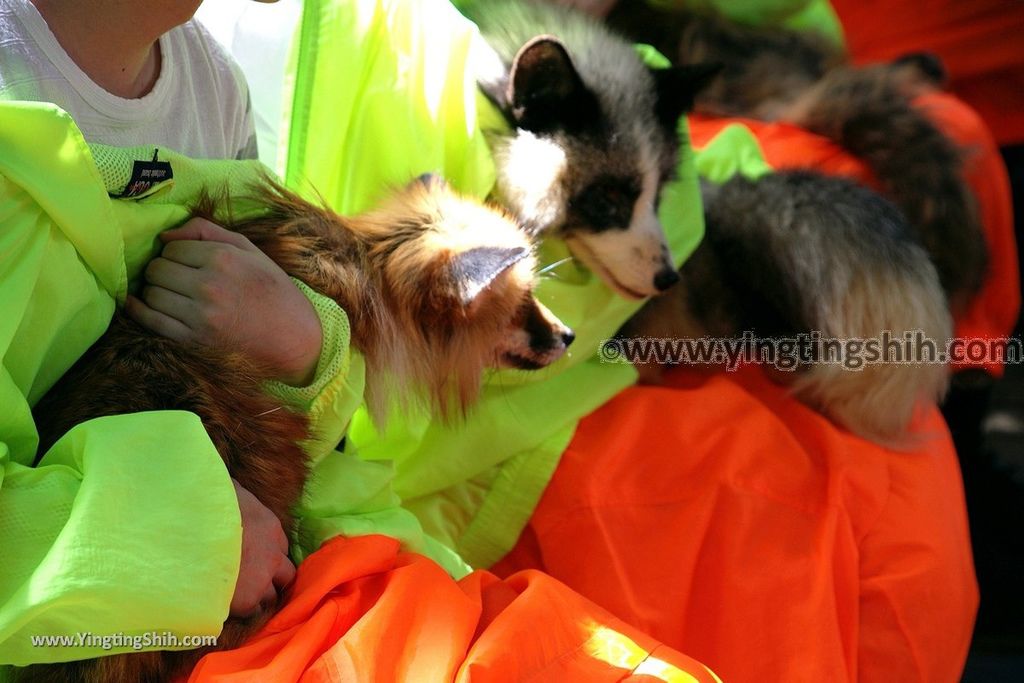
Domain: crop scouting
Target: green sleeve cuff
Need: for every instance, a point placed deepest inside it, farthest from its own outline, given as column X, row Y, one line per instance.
column 129, row 526
column 337, row 387
column 333, row 351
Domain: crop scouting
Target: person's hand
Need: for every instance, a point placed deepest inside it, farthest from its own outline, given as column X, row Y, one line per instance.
column 265, row 567
column 212, row 286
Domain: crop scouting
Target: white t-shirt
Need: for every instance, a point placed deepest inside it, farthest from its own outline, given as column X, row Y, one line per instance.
column 259, row 37
column 199, row 105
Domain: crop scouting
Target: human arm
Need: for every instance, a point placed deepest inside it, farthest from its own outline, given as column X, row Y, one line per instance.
column 129, row 524
column 78, row 534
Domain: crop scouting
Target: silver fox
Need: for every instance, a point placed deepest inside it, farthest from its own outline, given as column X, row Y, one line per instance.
column 592, row 139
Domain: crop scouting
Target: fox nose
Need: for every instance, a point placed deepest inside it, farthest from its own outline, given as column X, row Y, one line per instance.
column 665, row 279
column 567, row 337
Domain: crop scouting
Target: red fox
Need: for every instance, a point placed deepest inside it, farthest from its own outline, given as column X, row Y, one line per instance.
column 437, row 289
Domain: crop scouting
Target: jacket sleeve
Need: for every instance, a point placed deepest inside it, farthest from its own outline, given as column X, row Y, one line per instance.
column 128, row 526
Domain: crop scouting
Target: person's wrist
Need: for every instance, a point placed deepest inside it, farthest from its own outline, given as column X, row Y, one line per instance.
column 298, row 367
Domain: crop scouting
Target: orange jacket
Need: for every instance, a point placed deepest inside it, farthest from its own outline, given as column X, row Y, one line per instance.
column 993, row 312
column 725, row 518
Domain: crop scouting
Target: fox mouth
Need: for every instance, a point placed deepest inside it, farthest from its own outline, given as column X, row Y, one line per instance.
column 594, row 263
column 519, row 362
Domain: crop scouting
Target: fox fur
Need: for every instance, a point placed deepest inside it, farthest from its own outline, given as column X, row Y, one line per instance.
column 916, row 166
column 797, row 252
column 777, row 74
column 801, row 78
column 437, row 288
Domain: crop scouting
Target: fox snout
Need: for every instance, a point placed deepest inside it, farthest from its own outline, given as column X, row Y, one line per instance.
column 665, row 278
column 537, row 338
column 547, row 333
column 634, row 265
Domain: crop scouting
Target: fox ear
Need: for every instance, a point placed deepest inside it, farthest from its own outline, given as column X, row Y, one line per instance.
column 473, row 271
column 545, row 92
column 677, row 89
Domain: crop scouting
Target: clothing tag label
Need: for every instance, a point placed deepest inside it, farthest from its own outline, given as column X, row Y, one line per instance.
column 146, row 174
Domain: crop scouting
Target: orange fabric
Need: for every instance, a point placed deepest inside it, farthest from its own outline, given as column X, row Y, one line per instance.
column 361, row 610
column 727, row 519
column 993, row 312
column 980, row 42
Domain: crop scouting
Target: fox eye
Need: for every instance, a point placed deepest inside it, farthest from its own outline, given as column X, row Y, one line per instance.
column 605, row 204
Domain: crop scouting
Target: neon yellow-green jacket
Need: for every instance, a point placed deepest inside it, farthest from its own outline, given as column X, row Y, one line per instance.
column 129, row 525
column 78, row 531
column 473, row 485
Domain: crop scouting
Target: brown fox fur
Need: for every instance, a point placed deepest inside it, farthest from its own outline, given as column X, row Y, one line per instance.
column 434, row 285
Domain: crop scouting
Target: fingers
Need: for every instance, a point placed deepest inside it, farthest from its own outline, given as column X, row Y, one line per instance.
column 202, row 254
column 269, row 597
column 173, row 276
column 285, row 571
column 264, row 567
column 281, row 538
column 202, row 230
column 192, row 253
column 283, row 576
column 231, row 295
column 172, row 304
column 158, row 322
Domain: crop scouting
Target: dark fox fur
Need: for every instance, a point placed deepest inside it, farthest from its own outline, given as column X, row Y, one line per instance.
column 797, row 252
column 777, row 74
column 916, row 165
column 437, row 288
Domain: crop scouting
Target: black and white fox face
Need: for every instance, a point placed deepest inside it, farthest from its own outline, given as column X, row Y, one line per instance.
column 593, row 141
